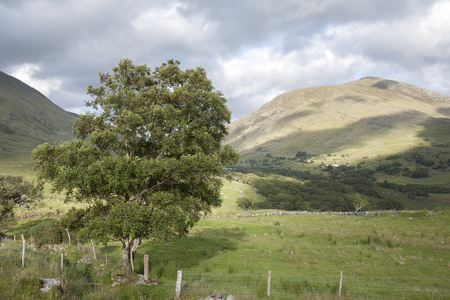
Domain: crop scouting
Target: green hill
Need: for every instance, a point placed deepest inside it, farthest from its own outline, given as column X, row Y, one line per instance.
column 364, row 118
column 315, row 148
column 28, row 118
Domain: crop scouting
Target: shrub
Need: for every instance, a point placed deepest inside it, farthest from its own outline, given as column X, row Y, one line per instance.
column 420, row 173
column 244, row 202
column 46, row 232
column 388, row 204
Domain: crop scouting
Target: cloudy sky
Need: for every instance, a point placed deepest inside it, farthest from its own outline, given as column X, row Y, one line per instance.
column 252, row 50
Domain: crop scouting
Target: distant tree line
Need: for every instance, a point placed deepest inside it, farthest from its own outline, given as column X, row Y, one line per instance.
column 331, row 190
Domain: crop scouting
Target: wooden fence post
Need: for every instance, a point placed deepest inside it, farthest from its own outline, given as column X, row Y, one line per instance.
column 23, row 251
column 93, row 249
column 269, row 277
column 62, row 262
column 106, row 252
column 68, row 234
column 340, row 284
column 131, row 261
column 145, row 267
column 178, row 284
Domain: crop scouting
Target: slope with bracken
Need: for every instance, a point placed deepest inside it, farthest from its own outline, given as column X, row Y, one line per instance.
column 28, row 118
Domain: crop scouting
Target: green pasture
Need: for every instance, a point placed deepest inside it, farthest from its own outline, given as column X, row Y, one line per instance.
column 382, row 245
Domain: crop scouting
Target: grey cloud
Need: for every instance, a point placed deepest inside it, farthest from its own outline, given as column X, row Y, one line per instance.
column 239, row 43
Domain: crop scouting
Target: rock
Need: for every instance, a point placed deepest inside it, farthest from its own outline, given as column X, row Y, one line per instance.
column 49, row 283
column 84, row 260
column 141, row 280
column 230, row 297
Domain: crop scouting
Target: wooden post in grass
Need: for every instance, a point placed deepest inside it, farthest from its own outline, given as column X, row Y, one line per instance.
column 23, row 252
column 106, row 252
column 145, row 267
column 131, row 261
column 340, row 284
column 62, row 262
column 93, row 249
column 68, row 234
column 269, row 277
column 14, row 238
column 178, row 284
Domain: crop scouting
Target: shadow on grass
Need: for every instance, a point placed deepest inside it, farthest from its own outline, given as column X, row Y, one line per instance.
column 186, row 252
column 23, row 227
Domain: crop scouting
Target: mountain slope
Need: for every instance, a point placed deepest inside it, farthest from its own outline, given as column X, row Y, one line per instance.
column 366, row 117
column 28, row 118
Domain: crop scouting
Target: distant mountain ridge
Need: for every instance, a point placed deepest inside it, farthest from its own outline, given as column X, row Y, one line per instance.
column 28, row 118
column 360, row 118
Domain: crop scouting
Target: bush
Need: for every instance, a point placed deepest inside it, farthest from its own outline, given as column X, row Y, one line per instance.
column 46, row 232
column 420, row 173
column 14, row 191
column 388, row 204
column 244, row 202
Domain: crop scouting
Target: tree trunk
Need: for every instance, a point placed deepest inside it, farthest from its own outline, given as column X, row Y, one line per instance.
column 129, row 246
column 126, row 255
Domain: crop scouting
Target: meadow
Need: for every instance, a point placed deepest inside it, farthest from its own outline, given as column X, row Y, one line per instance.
column 384, row 254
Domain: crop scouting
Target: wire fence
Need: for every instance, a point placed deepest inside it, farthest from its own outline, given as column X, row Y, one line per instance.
column 260, row 286
column 196, row 285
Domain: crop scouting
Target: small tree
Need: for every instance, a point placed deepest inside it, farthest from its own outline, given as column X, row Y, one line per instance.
column 359, row 203
column 14, row 191
column 244, row 202
column 147, row 163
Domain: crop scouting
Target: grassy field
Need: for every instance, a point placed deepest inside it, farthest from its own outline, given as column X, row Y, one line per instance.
column 385, row 255
column 317, row 246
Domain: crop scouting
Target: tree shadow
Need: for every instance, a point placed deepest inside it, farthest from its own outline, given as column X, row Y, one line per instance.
column 25, row 226
column 190, row 251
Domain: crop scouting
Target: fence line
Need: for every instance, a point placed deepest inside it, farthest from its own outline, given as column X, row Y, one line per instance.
column 273, row 286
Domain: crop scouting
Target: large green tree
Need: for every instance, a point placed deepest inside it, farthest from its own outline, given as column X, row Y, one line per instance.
column 146, row 161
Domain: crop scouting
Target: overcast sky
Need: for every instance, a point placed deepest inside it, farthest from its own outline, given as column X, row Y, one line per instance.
column 252, row 50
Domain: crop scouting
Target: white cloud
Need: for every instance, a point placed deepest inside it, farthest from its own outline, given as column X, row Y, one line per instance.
column 167, row 26
column 25, row 72
column 260, row 74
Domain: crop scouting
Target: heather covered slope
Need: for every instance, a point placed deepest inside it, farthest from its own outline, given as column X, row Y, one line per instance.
column 28, row 118
column 367, row 117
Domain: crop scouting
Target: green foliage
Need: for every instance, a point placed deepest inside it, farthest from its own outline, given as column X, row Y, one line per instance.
column 420, row 173
column 359, row 203
column 391, row 169
column 46, row 232
column 318, row 194
column 14, row 191
column 147, row 163
column 388, row 204
column 244, row 202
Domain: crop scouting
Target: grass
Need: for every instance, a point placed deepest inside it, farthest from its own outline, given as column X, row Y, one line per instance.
column 17, row 164
column 297, row 248
column 387, row 245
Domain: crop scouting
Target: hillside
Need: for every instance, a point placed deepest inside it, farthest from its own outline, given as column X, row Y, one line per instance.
column 28, row 118
column 367, row 117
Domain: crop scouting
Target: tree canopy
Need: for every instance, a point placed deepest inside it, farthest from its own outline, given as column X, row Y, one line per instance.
column 147, row 160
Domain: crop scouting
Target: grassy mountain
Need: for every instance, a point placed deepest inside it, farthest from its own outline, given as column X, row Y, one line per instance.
column 370, row 117
column 28, row 118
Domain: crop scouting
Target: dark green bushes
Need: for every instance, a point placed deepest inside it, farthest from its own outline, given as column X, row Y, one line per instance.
column 46, row 232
